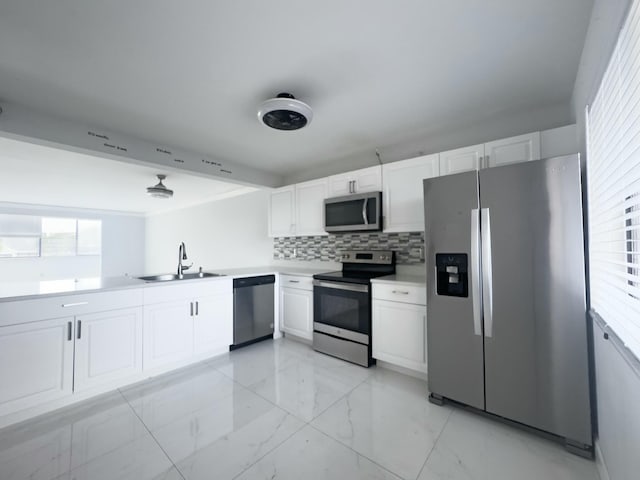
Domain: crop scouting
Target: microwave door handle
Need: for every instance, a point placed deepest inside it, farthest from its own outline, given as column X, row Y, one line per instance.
column 364, row 211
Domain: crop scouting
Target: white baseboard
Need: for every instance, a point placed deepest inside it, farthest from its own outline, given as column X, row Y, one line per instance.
column 601, row 466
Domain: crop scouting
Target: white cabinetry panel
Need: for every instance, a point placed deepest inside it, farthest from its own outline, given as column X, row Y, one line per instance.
column 309, row 207
column 522, row 148
column 108, row 347
column 36, row 363
column 168, row 334
column 296, row 311
column 461, row 159
column 213, row 324
column 403, row 196
column 357, row 181
column 281, row 212
column 399, row 334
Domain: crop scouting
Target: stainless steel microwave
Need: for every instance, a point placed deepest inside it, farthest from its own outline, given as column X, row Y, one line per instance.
column 354, row 213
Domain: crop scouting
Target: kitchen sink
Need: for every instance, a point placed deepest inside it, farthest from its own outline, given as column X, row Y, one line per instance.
column 167, row 277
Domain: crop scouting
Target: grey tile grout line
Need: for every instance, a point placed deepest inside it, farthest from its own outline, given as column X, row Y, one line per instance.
column 304, row 424
column 151, row 434
column 435, row 444
column 358, row 453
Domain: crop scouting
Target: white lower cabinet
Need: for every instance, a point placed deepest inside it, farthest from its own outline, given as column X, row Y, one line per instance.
column 181, row 330
column 36, row 363
column 296, row 306
column 213, row 324
column 108, row 347
column 400, row 333
column 168, row 333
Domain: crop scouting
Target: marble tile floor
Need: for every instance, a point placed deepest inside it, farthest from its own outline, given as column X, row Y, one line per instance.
column 277, row 410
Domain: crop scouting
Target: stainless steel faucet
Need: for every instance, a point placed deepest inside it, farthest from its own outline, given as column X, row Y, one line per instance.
column 182, row 255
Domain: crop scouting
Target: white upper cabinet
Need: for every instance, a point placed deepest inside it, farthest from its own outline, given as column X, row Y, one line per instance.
column 522, row 148
column 309, row 207
column 461, row 159
column 282, row 212
column 358, row 181
column 559, row 141
column 403, row 197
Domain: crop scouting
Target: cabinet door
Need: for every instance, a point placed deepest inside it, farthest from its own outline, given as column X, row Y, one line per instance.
column 281, row 212
column 461, row 160
column 368, row 179
column 522, row 148
column 296, row 310
column 108, row 347
column 309, row 207
column 403, row 199
column 399, row 334
column 36, row 363
column 167, row 334
column 213, row 324
column 340, row 185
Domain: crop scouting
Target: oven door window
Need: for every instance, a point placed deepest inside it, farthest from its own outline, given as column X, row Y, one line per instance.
column 343, row 309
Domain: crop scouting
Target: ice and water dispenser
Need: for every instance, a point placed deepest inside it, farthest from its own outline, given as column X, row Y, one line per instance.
column 452, row 277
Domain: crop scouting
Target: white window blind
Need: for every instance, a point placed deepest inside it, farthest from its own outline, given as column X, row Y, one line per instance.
column 613, row 169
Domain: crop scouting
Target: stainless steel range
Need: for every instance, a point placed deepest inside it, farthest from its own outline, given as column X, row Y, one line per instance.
column 342, row 305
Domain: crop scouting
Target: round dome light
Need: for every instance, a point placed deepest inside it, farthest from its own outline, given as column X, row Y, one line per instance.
column 285, row 113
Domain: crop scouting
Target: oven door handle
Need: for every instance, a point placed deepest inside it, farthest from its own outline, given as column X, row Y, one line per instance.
column 341, row 286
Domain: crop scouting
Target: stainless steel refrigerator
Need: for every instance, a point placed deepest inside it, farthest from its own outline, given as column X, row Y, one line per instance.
column 506, row 321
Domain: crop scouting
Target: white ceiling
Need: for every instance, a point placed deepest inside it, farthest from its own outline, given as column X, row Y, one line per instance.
column 34, row 174
column 192, row 73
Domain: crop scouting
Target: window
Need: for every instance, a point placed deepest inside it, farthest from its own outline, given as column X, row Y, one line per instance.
column 632, row 222
column 613, row 172
column 35, row 236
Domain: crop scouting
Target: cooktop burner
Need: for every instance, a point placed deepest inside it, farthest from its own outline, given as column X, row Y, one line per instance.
column 350, row 277
column 361, row 267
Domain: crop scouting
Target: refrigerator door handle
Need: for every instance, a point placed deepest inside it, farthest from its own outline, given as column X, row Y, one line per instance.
column 476, row 293
column 487, row 277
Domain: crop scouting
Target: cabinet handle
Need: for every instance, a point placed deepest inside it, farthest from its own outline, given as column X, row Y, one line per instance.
column 400, row 292
column 294, row 281
column 65, row 305
column 486, row 161
column 79, row 329
column 196, row 308
column 69, row 326
column 191, row 306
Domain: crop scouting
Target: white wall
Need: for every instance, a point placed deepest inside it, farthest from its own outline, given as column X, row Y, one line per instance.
column 222, row 234
column 617, row 383
column 122, row 248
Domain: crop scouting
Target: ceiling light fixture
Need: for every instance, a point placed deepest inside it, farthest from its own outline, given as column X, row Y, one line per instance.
column 159, row 190
column 285, row 113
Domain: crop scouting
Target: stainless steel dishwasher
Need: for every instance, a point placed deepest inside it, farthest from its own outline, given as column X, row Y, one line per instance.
column 253, row 306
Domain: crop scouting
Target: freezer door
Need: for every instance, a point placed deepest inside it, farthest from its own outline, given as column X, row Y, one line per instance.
column 534, row 296
column 454, row 333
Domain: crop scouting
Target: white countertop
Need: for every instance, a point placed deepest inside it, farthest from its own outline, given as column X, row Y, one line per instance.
column 402, row 279
column 267, row 269
column 11, row 291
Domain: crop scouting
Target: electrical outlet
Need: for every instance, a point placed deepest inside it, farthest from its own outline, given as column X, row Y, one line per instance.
column 418, row 252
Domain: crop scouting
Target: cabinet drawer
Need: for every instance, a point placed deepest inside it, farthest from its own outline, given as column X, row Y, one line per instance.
column 22, row 311
column 188, row 290
column 296, row 281
column 416, row 294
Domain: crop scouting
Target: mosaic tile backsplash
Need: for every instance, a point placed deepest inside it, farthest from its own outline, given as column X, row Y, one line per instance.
column 407, row 245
